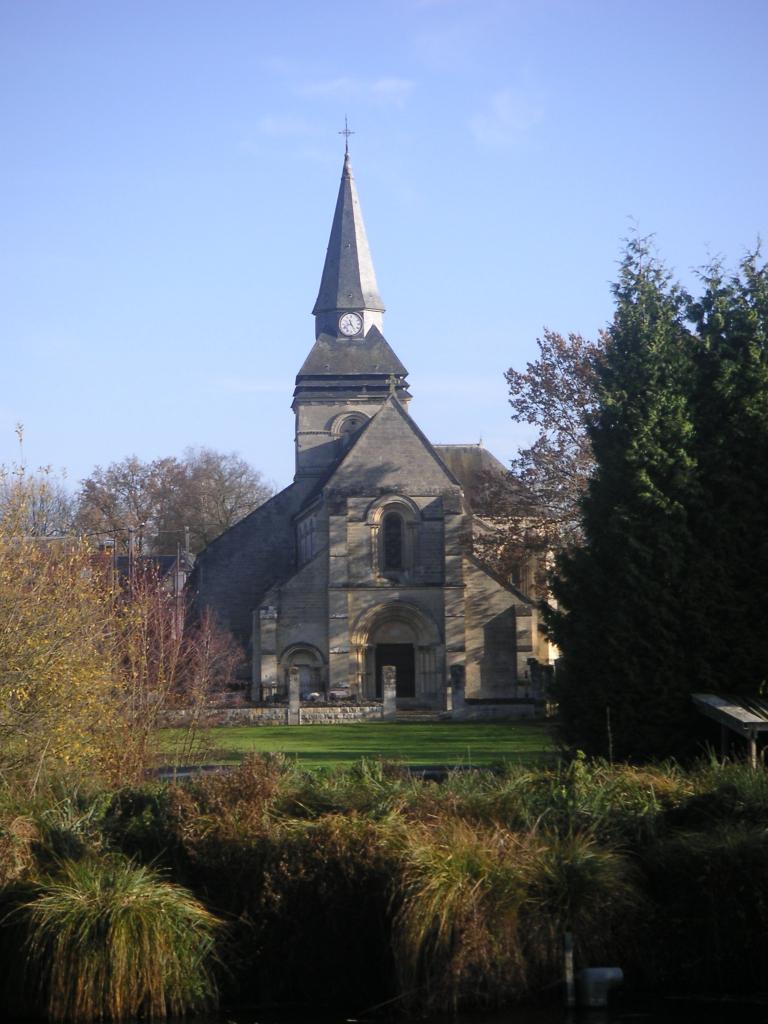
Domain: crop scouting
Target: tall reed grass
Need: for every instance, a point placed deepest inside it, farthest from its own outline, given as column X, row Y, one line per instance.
column 109, row 939
column 369, row 885
column 483, row 911
column 456, row 930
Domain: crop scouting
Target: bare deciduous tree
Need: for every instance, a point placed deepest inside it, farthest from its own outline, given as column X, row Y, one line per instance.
column 556, row 394
column 535, row 509
column 210, row 492
column 154, row 502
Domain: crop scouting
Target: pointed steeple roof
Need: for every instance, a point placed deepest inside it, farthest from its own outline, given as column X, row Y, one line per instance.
column 348, row 280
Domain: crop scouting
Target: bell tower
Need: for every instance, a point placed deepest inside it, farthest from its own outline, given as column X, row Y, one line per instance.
column 351, row 368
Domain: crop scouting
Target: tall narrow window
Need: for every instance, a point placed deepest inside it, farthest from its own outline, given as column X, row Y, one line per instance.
column 393, row 541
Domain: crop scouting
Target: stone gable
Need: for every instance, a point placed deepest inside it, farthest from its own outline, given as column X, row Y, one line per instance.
column 392, row 455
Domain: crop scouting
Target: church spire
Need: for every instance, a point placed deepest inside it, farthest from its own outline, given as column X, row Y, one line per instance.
column 351, row 370
column 348, row 281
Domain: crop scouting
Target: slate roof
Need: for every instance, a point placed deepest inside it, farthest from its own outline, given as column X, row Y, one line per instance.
column 348, row 280
column 473, row 466
column 163, row 564
column 340, row 357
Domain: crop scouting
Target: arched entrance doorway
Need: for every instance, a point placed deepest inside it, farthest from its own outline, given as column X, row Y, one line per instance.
column 308, row 660
column 394, row 644
column 402, row 635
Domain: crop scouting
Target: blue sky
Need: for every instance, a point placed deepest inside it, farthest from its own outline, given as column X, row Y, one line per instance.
column 170, row 168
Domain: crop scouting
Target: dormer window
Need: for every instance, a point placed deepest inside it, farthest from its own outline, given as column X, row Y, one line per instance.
column 393, row 529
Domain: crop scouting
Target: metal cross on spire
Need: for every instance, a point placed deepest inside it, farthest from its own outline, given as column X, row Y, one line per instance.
column 346, row 133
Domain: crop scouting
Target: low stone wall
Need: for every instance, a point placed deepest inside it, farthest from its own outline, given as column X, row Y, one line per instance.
column 276, row 714
column 339, row 714
column 475, row 711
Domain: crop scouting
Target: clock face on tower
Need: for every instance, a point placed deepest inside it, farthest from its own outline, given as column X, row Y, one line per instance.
column 350, row 324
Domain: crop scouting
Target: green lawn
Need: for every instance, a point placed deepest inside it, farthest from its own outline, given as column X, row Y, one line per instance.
column 416, row 743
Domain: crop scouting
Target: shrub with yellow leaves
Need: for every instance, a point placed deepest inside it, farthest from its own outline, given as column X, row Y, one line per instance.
column 57, row 652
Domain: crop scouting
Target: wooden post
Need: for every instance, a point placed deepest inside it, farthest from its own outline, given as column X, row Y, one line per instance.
column 389, row 693
column 752, row 750
column 570, row 987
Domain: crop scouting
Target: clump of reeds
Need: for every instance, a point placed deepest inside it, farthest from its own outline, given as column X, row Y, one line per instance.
column 70, row 826
column 371, row 787
column 55, row 822
column 106, row 938
column 618, row 804
column 144, row 822
column 483, row 911
column 724, row 792
column 456, row 931
column 576, row 883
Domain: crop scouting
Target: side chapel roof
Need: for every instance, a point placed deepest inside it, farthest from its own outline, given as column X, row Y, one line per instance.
column 474, row 467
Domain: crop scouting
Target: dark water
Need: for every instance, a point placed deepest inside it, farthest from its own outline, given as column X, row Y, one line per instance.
column 667, row 1012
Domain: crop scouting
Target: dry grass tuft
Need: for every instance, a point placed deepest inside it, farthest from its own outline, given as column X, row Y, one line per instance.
column 456, row 931
column 109, row 939
column 17, row 837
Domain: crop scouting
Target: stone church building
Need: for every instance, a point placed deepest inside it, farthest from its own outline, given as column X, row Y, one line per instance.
column 366, row 560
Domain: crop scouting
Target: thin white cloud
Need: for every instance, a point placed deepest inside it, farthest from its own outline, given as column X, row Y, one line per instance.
column 392, row 90
column 280, row 65
column 243, row 386
column 389, row 91
column 447, row 47
column 285, row 127
column 329, row 88
column 506, row 120
column 479, row 385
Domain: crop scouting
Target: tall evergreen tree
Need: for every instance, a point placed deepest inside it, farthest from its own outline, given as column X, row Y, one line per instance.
column 624, row 679
column 728, row 638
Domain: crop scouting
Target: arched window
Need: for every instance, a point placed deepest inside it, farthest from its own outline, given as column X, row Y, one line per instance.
column 352, row 424
column 393, row 540
column 395, row 524
column 347, row 426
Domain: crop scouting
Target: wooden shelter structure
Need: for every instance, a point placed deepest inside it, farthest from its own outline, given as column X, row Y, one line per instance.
column 745, row 716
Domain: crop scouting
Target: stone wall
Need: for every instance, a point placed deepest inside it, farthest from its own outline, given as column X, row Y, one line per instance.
column 276, row 714
column 341, row 714
column 303, row 606
column 232, row 573
column 500, row 627
column 509, row 711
